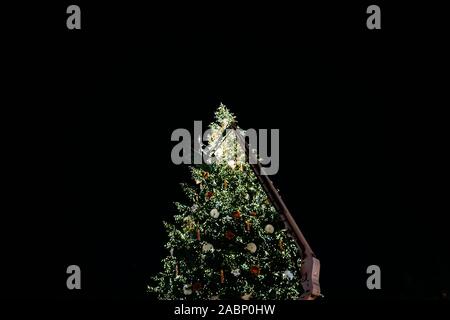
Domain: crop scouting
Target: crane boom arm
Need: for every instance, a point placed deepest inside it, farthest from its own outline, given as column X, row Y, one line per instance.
column 310, row 266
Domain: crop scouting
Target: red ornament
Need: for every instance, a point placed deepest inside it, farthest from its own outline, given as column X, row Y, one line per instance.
column 229, row 235
column 196, row 286
column 208, row 195
column 255, row 270
column 236, row 214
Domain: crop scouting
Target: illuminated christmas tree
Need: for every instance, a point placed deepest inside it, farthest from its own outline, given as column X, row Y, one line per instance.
column 227, row 241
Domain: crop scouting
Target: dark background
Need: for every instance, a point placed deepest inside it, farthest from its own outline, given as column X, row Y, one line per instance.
column 360, row 113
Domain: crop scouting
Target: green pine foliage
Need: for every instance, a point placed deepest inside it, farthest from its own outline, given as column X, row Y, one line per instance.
column 227, row 241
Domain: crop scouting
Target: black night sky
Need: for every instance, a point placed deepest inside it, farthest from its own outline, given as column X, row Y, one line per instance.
column 361, row 127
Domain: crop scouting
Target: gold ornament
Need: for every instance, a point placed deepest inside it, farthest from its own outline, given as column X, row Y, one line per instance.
column 222, row 276
column 269, row 229
column 189, row 223
column 248, row 225
column 281, row 245
column 246, row 296
column 251, row 247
